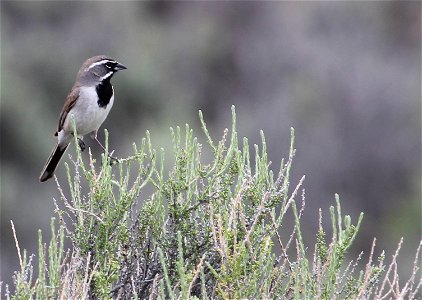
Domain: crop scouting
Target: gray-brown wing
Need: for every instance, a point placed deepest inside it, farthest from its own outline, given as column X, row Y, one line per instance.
column 68, row 104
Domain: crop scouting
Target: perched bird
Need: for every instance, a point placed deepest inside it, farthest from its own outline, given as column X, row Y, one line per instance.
column 89, row 102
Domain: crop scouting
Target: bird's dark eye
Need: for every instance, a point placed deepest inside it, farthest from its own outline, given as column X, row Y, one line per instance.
column 109, row 65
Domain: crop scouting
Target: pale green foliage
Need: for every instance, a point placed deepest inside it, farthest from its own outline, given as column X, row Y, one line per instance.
column 200, row 231
column 47, row 285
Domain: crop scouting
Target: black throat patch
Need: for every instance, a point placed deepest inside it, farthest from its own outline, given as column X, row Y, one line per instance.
column 104, row 92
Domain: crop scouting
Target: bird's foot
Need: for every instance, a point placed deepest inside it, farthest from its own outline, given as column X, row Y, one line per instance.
column 113, row 160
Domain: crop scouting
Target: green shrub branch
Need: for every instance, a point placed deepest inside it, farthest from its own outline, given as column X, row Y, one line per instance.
column 212, row 230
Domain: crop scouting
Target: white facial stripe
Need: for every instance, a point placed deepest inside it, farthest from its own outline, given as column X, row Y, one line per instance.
column 106, row 76
column 98, row 63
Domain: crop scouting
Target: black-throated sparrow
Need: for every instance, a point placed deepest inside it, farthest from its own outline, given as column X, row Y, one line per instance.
column 89, row 102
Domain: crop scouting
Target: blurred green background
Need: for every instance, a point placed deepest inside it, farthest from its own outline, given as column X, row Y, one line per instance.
column 345, row 75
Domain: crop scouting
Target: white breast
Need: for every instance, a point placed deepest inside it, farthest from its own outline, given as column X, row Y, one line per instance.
column 88, row 115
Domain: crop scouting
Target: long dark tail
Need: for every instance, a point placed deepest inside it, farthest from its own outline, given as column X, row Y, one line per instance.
column 52, row 163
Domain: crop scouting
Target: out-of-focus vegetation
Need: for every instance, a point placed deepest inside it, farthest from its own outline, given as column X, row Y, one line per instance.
column 345, row 75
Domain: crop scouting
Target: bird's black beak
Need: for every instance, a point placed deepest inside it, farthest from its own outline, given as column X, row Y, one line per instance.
column 119, row 67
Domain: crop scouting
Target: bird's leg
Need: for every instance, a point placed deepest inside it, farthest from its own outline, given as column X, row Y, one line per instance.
column 81, row 144
column 112, row 158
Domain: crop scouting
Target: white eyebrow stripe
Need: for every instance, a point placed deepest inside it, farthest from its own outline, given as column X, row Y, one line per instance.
column 99, row 63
